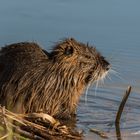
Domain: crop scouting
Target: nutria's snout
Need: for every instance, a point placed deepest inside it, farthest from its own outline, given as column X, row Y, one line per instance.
column 105, row 64
column 33, row 80
column 108, row 68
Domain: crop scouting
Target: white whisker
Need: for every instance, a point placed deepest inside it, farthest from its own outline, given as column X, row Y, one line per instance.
column 108, row 76
column 115, row 67
column 96, row 87
column 117, row 74
column 86, row 93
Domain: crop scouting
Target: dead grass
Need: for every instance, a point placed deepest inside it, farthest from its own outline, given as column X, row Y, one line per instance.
column 38, row 126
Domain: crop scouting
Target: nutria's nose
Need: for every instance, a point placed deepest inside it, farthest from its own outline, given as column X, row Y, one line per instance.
column 105, row 64
column 108, row 67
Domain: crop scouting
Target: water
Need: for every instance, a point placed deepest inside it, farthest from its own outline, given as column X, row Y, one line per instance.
column 112, row 26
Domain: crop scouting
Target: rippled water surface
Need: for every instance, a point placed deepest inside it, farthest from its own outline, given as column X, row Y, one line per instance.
column 112, row 26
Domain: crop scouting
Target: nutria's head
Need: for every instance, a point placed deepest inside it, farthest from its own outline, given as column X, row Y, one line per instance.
column 82, row 62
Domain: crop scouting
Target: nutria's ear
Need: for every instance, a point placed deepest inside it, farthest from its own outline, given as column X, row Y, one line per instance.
column 45, row 52
column 72, row 39
column 68, row 50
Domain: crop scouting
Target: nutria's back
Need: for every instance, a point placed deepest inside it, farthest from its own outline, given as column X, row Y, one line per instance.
column 33, row 80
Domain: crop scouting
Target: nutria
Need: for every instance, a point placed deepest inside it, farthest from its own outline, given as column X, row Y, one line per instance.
column 34, row 80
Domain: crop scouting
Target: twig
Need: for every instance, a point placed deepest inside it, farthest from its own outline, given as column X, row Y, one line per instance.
column 6, row 126
column 4, row 119
column 5, row 136
column 99, row 132
column 119, row 113
column 26, row 134
column 121, row 107
column 44, row 117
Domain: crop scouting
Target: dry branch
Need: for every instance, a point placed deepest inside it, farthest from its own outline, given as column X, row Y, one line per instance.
column 99, row 132
column 121, row 107
column 119, row 112
column 38, row 126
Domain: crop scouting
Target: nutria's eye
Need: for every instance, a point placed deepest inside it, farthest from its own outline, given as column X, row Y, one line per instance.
column 69, row 50
column 88, row 79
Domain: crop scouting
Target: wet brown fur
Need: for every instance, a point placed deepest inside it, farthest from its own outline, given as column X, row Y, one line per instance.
column 33, row 80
